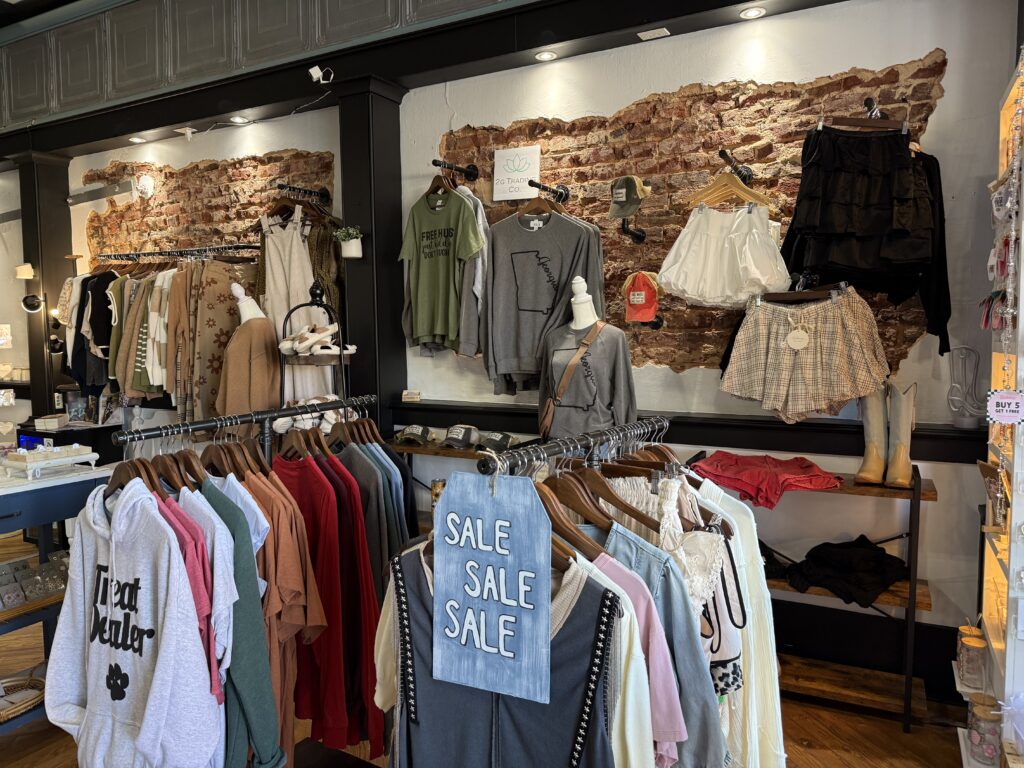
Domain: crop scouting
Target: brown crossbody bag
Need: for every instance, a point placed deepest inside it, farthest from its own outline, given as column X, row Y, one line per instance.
column 547, row 415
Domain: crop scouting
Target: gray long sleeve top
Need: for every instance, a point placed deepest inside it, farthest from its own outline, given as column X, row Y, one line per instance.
column 371, row 492
column 528, row 286
column 600, row 393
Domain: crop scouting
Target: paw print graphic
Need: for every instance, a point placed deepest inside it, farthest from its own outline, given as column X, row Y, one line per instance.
column 117, row 682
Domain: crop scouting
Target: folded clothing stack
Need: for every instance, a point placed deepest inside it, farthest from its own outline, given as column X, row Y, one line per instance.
column 763, row 479
column 856, row 571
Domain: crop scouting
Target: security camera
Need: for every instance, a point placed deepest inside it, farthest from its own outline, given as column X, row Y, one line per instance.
column 322, row 76
column 32, row 303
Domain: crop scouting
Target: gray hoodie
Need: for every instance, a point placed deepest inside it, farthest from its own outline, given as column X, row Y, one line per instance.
column 127, row 676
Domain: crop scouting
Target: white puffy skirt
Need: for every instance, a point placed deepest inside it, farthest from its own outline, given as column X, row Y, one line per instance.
column 723, row 258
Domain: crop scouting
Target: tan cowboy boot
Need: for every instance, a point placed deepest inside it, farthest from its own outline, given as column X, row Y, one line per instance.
column 901, row 424
column 872, row 409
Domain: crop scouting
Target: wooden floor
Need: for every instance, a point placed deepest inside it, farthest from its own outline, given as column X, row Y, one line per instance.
column 816, row 737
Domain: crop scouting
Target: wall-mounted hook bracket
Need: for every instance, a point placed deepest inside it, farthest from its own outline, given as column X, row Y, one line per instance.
column 637, row 235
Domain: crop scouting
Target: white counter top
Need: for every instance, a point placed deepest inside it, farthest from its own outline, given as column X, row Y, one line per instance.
column 60, row 476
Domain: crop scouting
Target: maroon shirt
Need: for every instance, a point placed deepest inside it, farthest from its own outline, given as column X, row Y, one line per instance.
column 358, row 599
column 322, row 660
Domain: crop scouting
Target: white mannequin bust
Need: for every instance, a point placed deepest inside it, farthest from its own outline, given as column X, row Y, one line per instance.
column 583, row 313
column 248, row 309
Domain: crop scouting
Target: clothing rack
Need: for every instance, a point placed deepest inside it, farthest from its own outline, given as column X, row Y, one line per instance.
column 263, row 418
column 514, row 459
column 179, row 253
column 469, row 172
column 321, row 195
column 559, row 194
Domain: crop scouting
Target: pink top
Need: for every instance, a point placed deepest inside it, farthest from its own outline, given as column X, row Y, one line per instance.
column 197, row 566
column 666, row 712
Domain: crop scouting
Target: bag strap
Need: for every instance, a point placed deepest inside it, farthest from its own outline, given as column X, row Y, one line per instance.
column 570, row 369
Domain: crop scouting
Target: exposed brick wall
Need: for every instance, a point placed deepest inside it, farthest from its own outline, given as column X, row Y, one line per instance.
column 206, row 202
column 672, row 140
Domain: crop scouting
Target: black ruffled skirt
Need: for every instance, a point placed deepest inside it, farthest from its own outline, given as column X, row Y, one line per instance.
column 864, row 205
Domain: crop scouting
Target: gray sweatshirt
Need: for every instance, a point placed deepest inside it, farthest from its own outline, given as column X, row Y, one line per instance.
column 528, row 287
column 127, row 676
column 600, row 393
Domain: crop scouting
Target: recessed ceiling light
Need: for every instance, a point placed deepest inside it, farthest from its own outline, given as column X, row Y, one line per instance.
column 546, row 56
column 137, row 140
column 752, row 13
column 239, row 120
column 653, row 34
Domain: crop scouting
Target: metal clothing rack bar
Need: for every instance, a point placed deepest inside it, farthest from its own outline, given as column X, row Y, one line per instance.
column 560, row 193
column 322, row 195
column 179, row 253
column 263, row 418
column 469, row 172
column 516, row 458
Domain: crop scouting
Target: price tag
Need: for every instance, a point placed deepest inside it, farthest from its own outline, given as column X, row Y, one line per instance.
column 798, row 339
column 1005, row 406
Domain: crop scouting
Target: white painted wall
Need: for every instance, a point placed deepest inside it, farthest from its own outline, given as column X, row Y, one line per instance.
column 312, row 131
column 12, row 291
column 978, row 37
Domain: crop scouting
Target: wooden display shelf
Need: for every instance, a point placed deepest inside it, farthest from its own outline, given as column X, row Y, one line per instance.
column 851, row 488
column 10, row 614
column 854, row 686
column 897, row 595
column 436, row 449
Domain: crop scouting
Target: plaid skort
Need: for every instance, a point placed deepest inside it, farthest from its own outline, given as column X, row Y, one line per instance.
column 843, row 358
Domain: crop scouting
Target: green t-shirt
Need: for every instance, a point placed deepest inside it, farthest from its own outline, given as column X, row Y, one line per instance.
column 442, row 234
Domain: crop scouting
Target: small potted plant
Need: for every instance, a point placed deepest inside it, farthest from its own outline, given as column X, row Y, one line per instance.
column 351, row 240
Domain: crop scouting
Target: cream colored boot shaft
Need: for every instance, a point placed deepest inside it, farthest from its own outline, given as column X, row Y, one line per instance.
column 901, row 424
column 872, row 409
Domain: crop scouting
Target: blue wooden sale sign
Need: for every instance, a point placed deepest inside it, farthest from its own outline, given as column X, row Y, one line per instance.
column 492, row 586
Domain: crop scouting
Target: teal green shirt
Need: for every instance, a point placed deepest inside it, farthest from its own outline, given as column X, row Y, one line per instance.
column 250, row 710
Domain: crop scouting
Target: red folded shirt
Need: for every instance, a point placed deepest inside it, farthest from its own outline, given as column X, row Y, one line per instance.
column 763, row 479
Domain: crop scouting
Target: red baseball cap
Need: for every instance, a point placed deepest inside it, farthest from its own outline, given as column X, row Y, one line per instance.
column 641, row 291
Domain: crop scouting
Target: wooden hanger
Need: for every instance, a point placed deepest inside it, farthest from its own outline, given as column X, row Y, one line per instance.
column 216, row 460
column 255, row 451
column 540, row 206
column 247, row 458
column 123, row 474
column 600, row 488
column 726, row 187
column 372, row 432
column 167, row 470
column 571, row 492
column 292, row 446
column 317, row 441
column 561, row 555
column 340, row 435
column 440, row 185
column 149, row 475
column 666, row 452
column 238, row 459
column 563, row 527
column 191, row 466
column 831, row 291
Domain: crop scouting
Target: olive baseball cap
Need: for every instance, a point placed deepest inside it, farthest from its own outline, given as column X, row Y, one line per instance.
column 628, row 193
column 414, row 434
